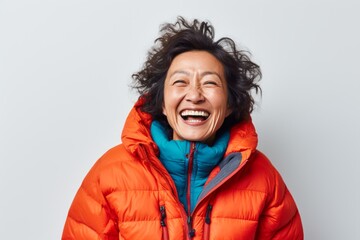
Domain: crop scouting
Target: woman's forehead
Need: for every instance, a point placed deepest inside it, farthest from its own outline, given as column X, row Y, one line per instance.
column 196, row 61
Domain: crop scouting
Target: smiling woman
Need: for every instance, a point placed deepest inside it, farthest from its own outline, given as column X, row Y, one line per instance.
column 188, row 167
column 195, row 96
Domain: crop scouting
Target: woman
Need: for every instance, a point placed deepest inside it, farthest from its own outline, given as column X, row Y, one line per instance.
column 187, row 167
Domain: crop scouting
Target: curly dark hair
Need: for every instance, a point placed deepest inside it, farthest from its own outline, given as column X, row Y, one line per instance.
column 242, row 75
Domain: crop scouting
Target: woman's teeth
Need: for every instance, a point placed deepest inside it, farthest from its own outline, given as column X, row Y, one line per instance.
column 194, row 116
column 194, row 113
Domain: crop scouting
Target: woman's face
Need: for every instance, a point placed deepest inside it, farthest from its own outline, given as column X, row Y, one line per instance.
column 195, row 96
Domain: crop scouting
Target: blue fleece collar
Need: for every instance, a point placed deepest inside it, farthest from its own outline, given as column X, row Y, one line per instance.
column 174, row 156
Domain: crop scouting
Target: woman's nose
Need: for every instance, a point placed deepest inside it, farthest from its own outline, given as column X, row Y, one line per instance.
column 195, row 94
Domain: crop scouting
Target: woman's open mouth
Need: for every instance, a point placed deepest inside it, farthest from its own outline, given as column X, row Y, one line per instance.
column 194, row 116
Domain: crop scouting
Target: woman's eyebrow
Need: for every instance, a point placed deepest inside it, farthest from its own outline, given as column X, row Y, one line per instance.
column 202, row 74
column 180, row 72
column 210, row 73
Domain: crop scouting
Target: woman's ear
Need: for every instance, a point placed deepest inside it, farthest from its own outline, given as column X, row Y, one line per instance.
column 228, row 111
column 163, row 109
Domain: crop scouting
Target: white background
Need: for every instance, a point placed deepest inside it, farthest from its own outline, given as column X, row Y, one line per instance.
column 65, row 71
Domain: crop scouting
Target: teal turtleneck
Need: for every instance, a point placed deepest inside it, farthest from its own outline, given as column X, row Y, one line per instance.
column 174, row 155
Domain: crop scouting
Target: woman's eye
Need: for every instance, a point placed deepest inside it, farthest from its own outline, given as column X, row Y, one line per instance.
column 179, row 82
column 211, row 83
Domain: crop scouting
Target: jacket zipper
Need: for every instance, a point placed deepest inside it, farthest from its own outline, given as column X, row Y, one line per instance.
column 210, row 206
column 188, row 194
column 188, row 216
column 174, row 191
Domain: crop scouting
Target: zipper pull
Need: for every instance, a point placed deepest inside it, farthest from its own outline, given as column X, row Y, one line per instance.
column 191, row 230
column 163, row 216
column 207, row 215
column 163, row 223
column 207, row 223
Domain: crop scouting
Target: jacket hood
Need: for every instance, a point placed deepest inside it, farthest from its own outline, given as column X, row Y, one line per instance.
column 136, row 135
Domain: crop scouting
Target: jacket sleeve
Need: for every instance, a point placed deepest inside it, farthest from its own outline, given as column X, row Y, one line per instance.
column 280, row 219
column 89, row 217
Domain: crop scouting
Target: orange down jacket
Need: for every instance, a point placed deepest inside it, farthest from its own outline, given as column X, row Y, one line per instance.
column 128, row 194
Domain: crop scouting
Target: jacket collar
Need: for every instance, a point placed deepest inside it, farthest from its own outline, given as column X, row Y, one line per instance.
column 136, row 135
